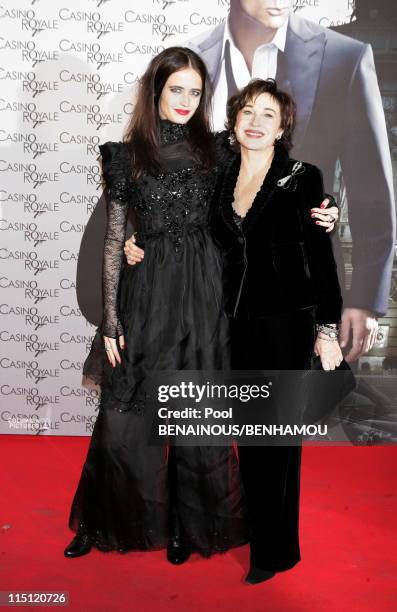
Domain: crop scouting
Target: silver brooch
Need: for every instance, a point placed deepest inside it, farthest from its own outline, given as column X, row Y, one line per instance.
column 290, row 180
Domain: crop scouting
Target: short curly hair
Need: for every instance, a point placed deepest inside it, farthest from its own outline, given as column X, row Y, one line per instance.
column 250, row 92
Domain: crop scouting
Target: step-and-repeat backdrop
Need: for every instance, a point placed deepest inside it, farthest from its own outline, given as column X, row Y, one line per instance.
column 67, row 73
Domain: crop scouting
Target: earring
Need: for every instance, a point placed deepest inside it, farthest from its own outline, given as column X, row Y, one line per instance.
column 232, row 138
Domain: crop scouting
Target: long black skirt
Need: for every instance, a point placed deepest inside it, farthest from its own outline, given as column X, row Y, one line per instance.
column 133, row 495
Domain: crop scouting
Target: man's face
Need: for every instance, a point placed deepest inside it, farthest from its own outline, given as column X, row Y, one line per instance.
column 270, row 13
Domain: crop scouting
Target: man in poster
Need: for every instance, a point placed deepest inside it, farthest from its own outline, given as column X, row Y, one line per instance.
column 340, row 116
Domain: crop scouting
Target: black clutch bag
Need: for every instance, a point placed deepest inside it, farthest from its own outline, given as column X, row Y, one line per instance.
column 324, row 390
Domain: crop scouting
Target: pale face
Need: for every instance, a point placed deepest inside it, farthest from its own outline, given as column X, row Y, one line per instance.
column 270, row 13
column 180, row 96
column 258, row 124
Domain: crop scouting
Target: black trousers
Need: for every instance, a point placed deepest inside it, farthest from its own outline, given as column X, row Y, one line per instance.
column 271, row 474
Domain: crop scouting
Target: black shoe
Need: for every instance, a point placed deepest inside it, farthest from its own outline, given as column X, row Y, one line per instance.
column 79, row 546
column 257, row 575
column 176, row 553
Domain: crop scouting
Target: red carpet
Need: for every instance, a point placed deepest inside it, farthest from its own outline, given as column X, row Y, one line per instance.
column 348, row 540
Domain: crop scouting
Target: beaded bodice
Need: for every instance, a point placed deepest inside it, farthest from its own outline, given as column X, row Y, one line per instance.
column 176, row 197
column 169, row 204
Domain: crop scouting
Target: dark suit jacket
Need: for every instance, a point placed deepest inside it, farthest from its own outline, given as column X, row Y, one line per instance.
column 340, row 115
column 279, row 260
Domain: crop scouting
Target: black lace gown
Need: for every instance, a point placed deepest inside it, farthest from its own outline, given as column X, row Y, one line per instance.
column 133, row 496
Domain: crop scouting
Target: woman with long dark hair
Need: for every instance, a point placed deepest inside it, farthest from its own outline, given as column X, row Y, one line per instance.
column 162, row 315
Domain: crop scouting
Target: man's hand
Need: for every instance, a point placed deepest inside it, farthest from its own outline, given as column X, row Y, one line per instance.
column 133, row 253
column 363, row 326
column 326, row 218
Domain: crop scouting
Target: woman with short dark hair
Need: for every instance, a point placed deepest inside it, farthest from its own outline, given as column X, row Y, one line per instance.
column 252, row 90
column 282, row 295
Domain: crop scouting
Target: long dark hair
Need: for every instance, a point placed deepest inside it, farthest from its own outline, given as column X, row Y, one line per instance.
column 143, row 131
column 252, row 90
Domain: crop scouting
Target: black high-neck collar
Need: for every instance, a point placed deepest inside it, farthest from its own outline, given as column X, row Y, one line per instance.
column 171, row 132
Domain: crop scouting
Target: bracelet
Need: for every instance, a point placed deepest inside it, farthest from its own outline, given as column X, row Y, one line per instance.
column 328, row 329
column 330, row 326
column 327, row 338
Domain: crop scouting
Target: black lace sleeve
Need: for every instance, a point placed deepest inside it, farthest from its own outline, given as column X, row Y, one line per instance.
column 115, row 174
column 115, row 170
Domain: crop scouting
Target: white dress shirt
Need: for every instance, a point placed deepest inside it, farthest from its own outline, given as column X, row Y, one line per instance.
column 264, row 66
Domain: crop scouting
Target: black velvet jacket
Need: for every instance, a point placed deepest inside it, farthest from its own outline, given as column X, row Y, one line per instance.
column 277, row 260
